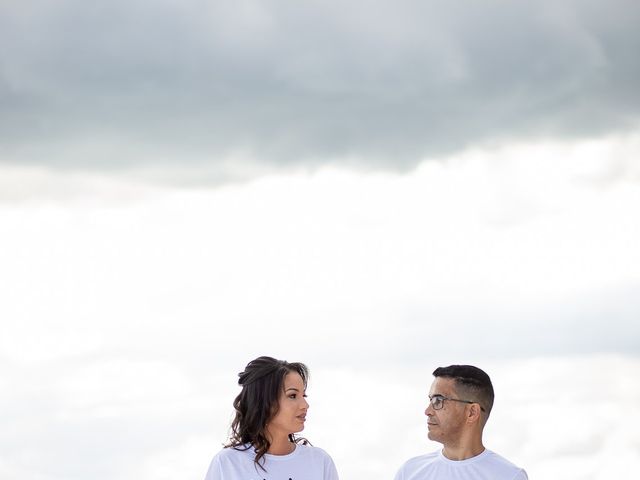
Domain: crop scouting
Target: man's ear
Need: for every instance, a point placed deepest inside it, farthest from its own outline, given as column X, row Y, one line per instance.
column 474, row 413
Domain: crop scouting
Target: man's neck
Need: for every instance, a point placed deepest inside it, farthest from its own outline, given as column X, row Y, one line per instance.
column 463, row 452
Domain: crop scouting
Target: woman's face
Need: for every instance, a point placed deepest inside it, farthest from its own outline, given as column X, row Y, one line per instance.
column 292, row 408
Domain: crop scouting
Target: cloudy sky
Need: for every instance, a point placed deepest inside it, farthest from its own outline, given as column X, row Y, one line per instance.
column 373, row 189
column 226, row 85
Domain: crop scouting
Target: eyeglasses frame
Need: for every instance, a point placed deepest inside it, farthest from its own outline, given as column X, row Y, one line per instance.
column 452, row 399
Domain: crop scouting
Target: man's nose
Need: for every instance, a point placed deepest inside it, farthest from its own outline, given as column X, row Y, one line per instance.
column 429, row 410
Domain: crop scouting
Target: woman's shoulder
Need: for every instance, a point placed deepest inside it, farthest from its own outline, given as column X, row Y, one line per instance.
column 308, row 449
column 242, row 453
column 319, row 459
column 233, row 453
column 227, row 459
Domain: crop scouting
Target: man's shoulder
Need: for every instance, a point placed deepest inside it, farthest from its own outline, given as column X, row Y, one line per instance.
column 434, row 465
column 421, row 461
column 499, row 466
column 497, row 459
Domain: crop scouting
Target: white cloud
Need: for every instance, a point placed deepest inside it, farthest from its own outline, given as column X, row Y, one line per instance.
column 482, row 235
column 127, row 311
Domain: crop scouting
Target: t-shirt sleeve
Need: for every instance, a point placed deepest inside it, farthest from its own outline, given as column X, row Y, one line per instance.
column 399, row 474
column 214, row 472
column 521, row 475
column 330, row 471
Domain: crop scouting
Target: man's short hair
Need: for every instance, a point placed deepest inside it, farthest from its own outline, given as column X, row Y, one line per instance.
column 470, row 382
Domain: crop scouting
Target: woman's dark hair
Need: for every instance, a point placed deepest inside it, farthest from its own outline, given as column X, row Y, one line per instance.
column 257, row 403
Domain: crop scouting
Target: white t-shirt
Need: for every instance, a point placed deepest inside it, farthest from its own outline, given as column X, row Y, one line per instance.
column 304, row 463
column 485, row 466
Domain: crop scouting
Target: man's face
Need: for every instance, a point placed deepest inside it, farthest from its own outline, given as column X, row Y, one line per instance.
column 445, row 425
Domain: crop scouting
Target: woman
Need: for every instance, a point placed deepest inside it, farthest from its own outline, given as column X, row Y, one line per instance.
column 270, row 409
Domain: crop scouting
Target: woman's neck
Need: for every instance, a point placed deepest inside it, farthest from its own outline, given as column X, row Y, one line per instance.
column 281, row 446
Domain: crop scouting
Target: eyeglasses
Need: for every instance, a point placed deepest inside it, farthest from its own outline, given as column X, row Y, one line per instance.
column 437, row 401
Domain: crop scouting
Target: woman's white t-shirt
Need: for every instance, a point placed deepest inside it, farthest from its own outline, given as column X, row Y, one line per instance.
column 304, row 463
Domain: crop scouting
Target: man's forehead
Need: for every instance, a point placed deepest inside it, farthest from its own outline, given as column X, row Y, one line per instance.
column 442, row 386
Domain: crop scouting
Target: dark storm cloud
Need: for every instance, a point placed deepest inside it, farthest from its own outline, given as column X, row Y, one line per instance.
column 125, row 83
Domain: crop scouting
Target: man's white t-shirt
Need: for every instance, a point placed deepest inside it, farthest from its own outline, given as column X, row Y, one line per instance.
column 485, row 466
column 304, row 463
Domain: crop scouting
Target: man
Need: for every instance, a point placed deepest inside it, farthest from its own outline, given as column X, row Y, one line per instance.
column 460, row 401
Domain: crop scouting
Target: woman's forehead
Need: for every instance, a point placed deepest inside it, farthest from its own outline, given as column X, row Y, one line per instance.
column 293, row 380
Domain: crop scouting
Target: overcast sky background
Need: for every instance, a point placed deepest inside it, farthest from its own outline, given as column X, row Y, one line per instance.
column 373, row 189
